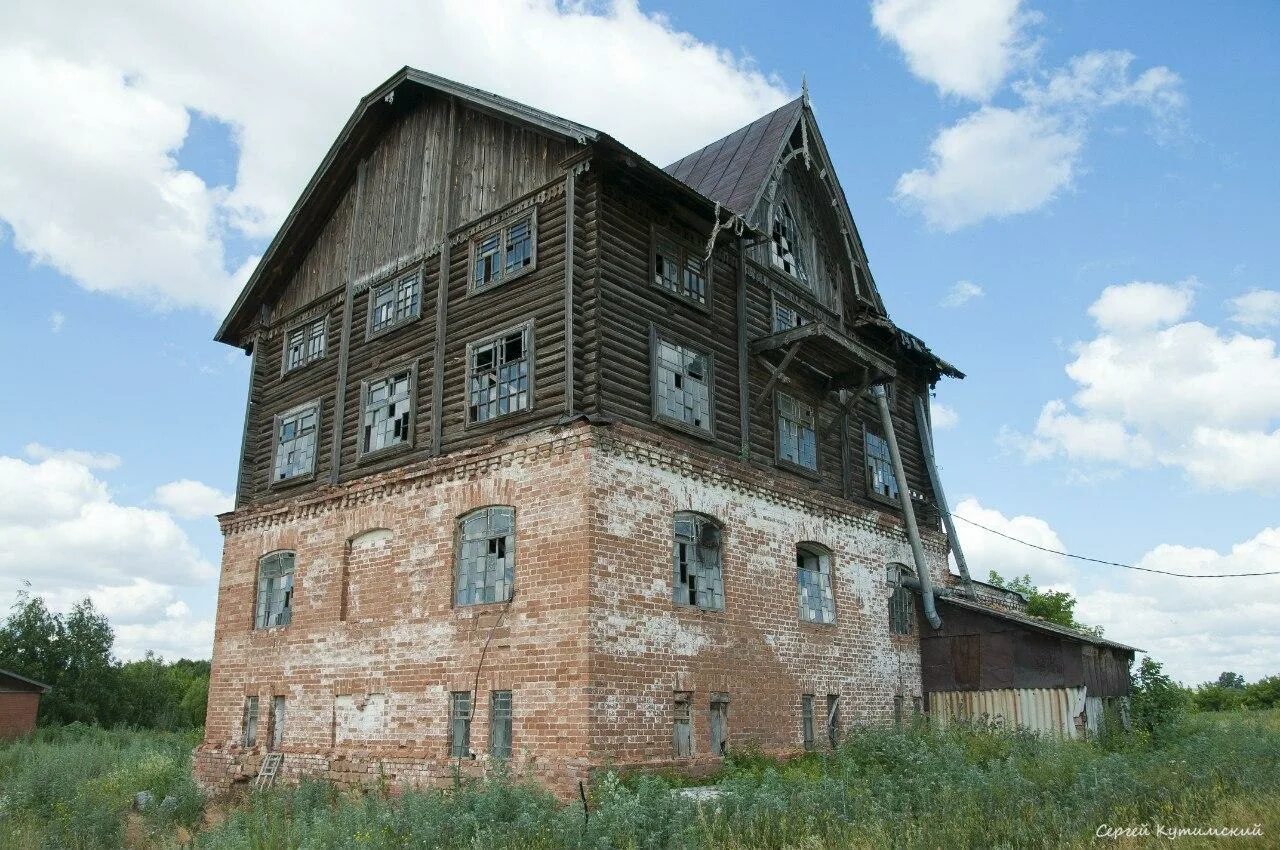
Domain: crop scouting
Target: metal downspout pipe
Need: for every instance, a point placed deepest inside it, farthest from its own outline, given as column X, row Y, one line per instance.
column 908, row 513
column 924, row 424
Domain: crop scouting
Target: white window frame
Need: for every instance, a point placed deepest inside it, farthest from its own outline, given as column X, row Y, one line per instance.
column 824, row 586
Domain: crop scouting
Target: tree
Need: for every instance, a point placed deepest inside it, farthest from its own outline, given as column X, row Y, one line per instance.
column 1055, row 606
column 1157, row 700
column 1264, row 693
column 31, row 640
column 1213, row 696
column 1231, row 680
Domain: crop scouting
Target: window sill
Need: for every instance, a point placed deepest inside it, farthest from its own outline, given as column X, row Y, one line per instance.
column 884, row 500
column 478, row 609
column 301, row 367
column 821, row 626
column 371, row 334
column 281, row 484
column 798, row 469
column 476, row 291
column 703, row 307
column 496, row 423
column 684, row 427
column 380, row 454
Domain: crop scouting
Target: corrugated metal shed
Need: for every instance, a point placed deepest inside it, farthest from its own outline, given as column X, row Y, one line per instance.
column 1059, row 712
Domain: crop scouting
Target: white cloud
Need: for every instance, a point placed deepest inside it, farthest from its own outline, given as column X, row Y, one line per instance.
column 193, row 499
column 965, row 49
column 93, row 187
column 91, row 460
column 942, row 416
column 1002, row 161
column 1198, row 627
column 56, row 320
column 1154, row 388
column 962, row 292
column 1258, row 308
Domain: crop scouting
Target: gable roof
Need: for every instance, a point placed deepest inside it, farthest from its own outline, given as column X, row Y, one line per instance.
column 1033, row 623
column 732, row 170
column 21, row 683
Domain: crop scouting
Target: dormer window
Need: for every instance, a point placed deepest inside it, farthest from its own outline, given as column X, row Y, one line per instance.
column 788, row 253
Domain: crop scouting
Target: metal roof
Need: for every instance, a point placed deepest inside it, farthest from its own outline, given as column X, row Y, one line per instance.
column 35, row 686
column 1032, row 622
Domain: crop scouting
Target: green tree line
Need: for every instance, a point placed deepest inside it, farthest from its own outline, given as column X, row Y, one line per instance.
column 88, row 684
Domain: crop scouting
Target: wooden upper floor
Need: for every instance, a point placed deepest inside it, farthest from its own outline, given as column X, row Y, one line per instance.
column 463, row 268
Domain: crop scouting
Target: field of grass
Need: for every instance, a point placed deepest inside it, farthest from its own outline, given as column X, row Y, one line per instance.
column 910, row 787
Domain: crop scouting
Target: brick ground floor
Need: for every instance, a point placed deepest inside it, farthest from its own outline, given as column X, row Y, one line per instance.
column 597, row 663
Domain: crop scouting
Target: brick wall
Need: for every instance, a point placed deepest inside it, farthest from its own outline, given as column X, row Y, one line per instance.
column 591, row 646
column 17, row 713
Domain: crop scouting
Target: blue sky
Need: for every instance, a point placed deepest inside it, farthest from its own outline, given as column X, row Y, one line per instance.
column 1098, row 183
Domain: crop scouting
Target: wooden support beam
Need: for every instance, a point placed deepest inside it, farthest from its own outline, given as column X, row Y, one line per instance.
column 744, row 365
column 442, row 285
column 569, row 223
column 344, row 339
column 779, row 373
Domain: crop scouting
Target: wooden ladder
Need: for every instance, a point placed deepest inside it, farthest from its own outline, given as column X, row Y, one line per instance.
column 267, row 773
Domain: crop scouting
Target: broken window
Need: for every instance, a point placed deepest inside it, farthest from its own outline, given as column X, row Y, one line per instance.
column 806, row 720
column 813, row 574
column 304, row 344
column 296, row 442
column 797, row 432
column 498, row 375
column 277, row 722
column 788, row 252
column 902, row 611
column 500, row 724
column 786, row 317
column 679, row 269
column 460, row 724
column 833, row 720
column 699, row 577
column 249, row 723
column 719, row 722
column 486, row 556
column 881, row 481
column 682, row 386
column 275, row 590
column 388, row 411
column 682, row 713
column 502, row 253
column 394, row 302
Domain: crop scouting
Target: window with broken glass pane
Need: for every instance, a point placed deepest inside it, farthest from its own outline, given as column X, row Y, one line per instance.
column 503, row 253
column 394, row 302
column 813, row 574
column 787, row 253
column 699, row 578
column 498, row 376
column 902, row 611
column 296, row 442
column 797, row 432
column 806, row 720
column 275, row 590
column 682, row 723
column 881, row 481
column 683, row 386
column 304, row 344
column 786, row 317
column 486, row 556
column 460, row 724
column 679, row 269
column 388, row 412
column 249, row 722
column 500, row 724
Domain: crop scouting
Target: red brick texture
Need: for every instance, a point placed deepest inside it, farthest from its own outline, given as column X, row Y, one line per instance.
column 17, row 713
column 592, row 646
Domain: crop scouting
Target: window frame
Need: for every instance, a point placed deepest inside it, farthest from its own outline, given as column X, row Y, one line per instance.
column 530, row 352
column 833, row 720
column 417, row 272
column 822, row 552
column 718, row 716
column 677, row 586
column 808, row 734
column 656, row 336
column 285, row 368
column 501, row 228
column 367, row 455
column 871, row 492
column 303, row 478
column 275, row 722
column 249, row 722
column 682, row 716
column 509, row 721
column 686, row 249
column 457, row 557
column 794, row 242
column 454, row 718
column 902, row 611
column 776, row 301
column 257, row 590
column 802, row 398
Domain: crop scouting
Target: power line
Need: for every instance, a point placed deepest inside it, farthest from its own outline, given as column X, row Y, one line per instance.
column 1109, row 563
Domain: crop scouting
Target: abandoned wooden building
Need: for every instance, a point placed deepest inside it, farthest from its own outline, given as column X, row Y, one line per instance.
column 19, row 704
column 554, row 455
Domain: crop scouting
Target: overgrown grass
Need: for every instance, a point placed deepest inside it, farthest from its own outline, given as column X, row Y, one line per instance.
column 913, row 787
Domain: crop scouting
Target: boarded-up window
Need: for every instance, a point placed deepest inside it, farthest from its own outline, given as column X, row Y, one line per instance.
column 388, row 411
column 296, row 442
column 681, row 386
column 394, row 302
column 682, row 723
column 275, row 591
column 881, row 481
column 498, row 375
column 813, row 575
column 500, row 724
column 305, row 344
column 718, row 718
column 503, row 253
column 833, row 720
column 277, row 722
column 486, row 570
column 249, row 723
column 902, row 611
column 460, row 724
column 699, row 576
column 679, row 268
column 797, row 432
column 966, row 660
column 806, row 720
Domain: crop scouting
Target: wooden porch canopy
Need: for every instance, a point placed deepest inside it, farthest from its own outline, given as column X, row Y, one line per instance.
column 833, row 359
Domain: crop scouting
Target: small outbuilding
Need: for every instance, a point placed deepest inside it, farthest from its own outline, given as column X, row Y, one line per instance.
column 19, row 703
